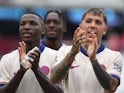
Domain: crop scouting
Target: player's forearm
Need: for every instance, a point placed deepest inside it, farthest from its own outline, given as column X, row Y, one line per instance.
column 45, row 83
column 107, row 81
column 59, row 71
column 12, row 86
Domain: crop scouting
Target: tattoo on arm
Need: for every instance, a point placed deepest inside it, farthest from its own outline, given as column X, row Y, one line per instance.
column 61, row 69
column 104, row 78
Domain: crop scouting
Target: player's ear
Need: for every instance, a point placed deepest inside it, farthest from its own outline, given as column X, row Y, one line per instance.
column 106, row 30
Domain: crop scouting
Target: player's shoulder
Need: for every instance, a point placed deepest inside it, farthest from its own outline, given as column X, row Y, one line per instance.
column 65, row 47
column 112, row 52
column 49, row 50
column 64, row 50
column 11, row 54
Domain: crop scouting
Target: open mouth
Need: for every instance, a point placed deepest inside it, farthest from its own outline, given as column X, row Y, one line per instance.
column 91, row 31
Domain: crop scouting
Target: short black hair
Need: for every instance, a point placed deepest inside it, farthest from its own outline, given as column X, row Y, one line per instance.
column 32, row 12
column 96, row 11
column 60, row 14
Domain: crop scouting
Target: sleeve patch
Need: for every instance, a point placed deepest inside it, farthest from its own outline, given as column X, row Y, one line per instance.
column 117, row 66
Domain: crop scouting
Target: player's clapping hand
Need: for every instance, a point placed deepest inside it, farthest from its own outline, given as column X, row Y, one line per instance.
column 93, row 47
column 34, row 56
column 89, row 41
column 22, row 53
column 77, row 40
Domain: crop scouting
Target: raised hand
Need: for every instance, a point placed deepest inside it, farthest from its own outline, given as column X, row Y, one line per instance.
column 89, row 42
column 93, row 47
column 77, row 40
column 22, row 52
column 34, row 56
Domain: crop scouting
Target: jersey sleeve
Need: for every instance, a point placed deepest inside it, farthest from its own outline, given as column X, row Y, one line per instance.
column 61, row 54
column 115, row 66
column 5, row 76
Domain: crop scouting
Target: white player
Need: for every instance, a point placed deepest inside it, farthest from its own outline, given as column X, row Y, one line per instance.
column 14, row 76
column 88, row 66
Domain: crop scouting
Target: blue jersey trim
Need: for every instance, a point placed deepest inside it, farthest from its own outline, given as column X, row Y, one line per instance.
column 115, row 76
column 102, row 47
column 43, row 43
column 2, row 85
column 42, row 48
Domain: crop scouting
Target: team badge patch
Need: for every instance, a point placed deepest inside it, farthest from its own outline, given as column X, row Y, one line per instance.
column 45, row 69
column 117, row 66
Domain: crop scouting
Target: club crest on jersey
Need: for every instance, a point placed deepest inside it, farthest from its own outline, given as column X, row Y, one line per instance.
column 117, row 66
column 45, row 69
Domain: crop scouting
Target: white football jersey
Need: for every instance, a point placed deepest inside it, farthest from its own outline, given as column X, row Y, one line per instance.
column 81, row 77
column 120, row 88
column 10, row 64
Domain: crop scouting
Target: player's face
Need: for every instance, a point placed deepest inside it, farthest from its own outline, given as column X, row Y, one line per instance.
column 30, row 27
column 54, row 27
column 94, row 24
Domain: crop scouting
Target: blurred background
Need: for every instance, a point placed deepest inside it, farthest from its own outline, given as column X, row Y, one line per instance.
column 12, row 10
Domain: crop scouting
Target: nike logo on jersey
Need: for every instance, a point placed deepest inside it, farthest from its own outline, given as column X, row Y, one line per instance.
column 103, row 66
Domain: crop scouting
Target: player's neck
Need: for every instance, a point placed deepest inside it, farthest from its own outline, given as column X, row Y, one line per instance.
column 30, row 45
column 53, row 44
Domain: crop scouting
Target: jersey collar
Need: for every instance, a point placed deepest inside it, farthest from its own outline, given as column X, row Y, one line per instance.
column 102, row 47
column 42, row 48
